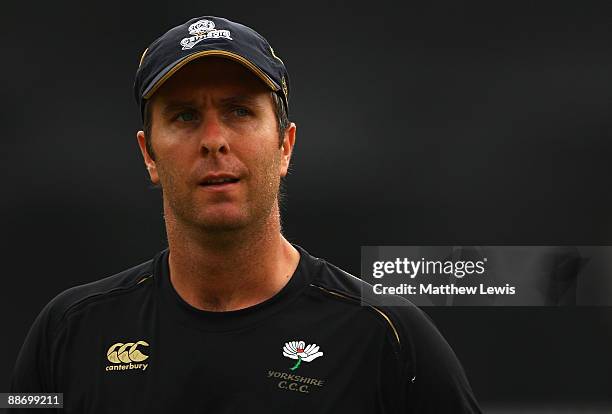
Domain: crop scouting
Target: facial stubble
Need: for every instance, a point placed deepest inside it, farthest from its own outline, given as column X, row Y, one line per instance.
column 259, row 207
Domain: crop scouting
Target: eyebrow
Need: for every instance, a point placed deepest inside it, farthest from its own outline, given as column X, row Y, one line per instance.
column 238, row 99
column 174, row 105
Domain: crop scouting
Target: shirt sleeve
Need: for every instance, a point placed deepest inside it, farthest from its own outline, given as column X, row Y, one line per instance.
column 32, row 368
column 435, row 379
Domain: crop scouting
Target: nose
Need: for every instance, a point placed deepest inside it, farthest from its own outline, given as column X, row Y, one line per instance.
column 213, row 135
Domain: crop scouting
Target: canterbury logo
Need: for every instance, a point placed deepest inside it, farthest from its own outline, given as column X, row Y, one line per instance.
column 126, row 353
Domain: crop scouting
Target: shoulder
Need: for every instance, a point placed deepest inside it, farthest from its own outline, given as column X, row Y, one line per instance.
column 406, row 323
column 34, row 367
column 436, row 381
column 80, row 296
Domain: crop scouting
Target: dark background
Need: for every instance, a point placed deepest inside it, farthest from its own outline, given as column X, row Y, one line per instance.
column 446, row 123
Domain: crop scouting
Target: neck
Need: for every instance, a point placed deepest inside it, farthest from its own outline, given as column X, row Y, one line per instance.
column 222, row 271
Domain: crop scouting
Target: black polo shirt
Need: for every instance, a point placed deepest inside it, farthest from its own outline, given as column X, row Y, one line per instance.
column 130, row 344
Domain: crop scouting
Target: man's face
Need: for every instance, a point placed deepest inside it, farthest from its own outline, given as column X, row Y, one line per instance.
column 216, row 143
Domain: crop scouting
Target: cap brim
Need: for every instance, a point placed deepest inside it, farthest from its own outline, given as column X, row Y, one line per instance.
column 171, row 69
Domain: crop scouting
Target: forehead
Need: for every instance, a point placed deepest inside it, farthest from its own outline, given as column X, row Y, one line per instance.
column 214, row 75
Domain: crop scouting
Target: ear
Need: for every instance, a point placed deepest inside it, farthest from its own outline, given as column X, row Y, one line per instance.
column 149, row 162
column 287, row 148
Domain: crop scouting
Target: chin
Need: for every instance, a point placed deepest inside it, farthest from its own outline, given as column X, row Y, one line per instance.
column 222, row 222
column 221, row 225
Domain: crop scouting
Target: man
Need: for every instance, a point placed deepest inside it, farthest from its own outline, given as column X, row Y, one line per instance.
column 231, row 317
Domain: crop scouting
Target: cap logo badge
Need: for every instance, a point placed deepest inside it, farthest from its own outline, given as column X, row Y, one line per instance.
column 202, row 30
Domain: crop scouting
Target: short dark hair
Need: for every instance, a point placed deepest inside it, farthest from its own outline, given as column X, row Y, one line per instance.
column 282, row 118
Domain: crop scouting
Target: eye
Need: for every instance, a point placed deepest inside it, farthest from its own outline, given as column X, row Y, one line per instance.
column 186, row 116
column 241, row 111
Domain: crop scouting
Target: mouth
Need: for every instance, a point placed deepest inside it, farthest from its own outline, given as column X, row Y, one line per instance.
column 219, row 183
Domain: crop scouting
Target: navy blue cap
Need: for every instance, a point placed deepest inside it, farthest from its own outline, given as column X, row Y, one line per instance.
column 208, row 36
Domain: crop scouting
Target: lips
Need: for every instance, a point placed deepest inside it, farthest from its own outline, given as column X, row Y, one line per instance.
column 214, row 180
column 220, row 182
